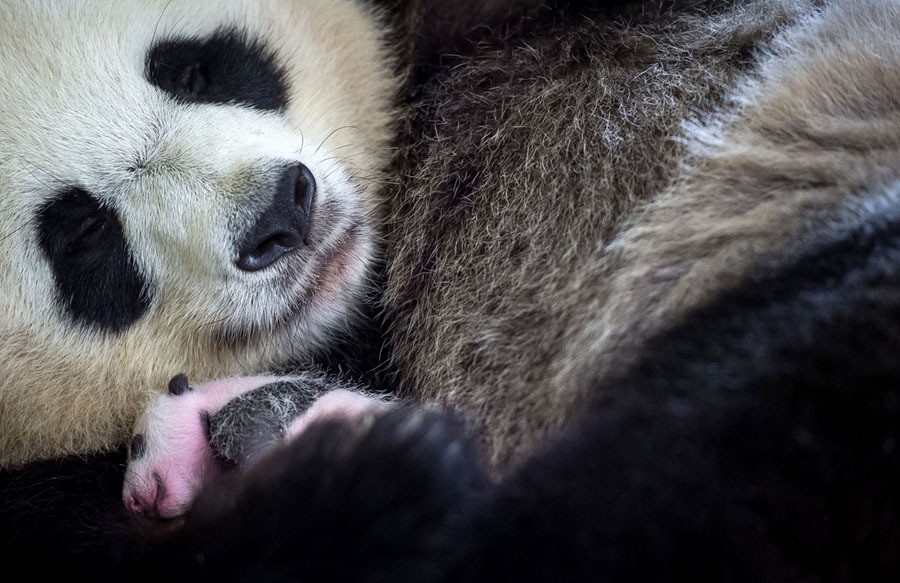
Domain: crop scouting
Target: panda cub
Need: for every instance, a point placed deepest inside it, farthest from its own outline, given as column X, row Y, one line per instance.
column 186, row 437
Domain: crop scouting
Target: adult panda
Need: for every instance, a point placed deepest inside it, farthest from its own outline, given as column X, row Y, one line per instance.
column 187, row 187
column 697, row 335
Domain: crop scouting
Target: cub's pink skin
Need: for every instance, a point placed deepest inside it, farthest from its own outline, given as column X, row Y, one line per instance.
column 337, row 404
column 171, row 458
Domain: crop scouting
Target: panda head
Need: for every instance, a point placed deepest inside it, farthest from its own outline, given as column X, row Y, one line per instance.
column 184, row 187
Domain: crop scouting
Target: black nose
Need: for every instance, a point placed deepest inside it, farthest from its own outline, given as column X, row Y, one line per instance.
column 284, row 225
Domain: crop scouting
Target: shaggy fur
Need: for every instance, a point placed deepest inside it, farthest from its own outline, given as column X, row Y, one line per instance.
column 509, row 237
column 651, row 254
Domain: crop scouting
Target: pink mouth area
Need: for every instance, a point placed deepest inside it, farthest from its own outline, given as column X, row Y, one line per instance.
column 331, row 272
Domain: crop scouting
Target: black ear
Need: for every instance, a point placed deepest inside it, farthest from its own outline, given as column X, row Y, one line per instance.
column 227, row 68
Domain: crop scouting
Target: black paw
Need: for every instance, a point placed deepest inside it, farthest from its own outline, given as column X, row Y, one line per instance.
column 384, row 500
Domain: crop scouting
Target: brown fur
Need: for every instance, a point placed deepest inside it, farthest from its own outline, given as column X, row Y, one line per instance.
column 574, row 185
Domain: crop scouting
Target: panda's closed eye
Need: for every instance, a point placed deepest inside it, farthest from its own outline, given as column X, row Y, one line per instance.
column 227, row 68
column 75, row 223
column 192, row 80
column 89, row 233
column 96, row 279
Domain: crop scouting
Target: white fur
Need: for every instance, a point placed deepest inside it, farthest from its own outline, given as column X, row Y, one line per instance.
column 77, row 110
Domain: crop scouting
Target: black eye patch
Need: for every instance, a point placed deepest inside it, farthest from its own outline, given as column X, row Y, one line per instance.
column 96, row 280
column 138, row 447
column 227, row 68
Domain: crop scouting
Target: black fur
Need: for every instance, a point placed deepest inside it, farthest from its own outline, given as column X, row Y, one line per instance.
column 437, row 32
column 255, row 421
column 385, row 503
column 754, row 441
column 137, row 448
column 64, row 518
column 98, row 284
column 227, row 68
column 379, row 503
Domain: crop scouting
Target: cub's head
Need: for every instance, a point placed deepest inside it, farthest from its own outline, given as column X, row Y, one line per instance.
column 185, row 186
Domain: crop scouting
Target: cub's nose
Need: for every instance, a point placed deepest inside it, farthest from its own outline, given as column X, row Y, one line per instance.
column 284, row 225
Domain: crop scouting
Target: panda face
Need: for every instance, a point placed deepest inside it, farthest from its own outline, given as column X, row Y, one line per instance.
column 184, row 187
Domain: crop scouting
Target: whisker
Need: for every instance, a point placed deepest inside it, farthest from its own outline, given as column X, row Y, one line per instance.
column 332, row 133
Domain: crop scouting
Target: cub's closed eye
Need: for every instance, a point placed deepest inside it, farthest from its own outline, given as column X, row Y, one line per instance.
column 227, row 68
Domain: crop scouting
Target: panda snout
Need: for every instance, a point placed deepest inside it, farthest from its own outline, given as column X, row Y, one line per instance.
column 284, row 225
